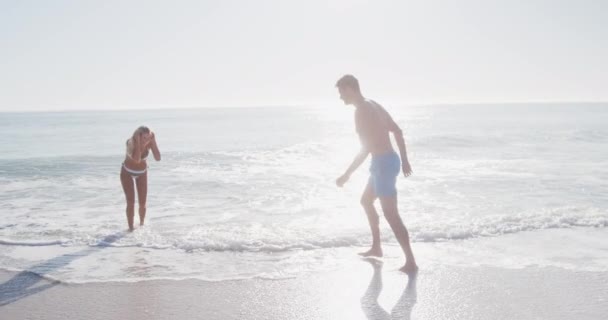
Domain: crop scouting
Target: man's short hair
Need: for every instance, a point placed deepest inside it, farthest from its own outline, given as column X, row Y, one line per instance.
column 349, row 81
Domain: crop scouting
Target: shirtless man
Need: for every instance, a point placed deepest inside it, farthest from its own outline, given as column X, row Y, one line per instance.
column 373, row 125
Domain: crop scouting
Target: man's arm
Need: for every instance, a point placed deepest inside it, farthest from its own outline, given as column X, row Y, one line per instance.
column 398, row 135
column 359, row 158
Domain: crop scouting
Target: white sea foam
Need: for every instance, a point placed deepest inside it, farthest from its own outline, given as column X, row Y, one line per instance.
column 31, row 243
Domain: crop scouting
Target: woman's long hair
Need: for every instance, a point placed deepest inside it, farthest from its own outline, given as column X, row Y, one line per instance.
column 140, row 130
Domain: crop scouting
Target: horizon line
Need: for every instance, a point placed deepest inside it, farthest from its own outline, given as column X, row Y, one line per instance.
column 303, row 105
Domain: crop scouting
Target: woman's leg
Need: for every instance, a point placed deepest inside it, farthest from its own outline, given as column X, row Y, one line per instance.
column 127, row 186
column 142, row 194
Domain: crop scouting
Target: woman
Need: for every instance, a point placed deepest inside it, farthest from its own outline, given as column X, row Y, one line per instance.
column 134, row 171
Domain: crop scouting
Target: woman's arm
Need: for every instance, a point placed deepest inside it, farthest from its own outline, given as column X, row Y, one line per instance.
column 154, row 147
column 137, row 148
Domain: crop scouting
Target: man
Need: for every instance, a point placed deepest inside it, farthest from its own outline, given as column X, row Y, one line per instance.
column 373, row 125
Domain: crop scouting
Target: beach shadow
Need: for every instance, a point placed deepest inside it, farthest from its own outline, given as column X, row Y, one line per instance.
column 26, row 283
column 369, row 302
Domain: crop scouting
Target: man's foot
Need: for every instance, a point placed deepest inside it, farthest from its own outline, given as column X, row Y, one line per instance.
column 373, row 252
column 409, row 269
column 131, row 228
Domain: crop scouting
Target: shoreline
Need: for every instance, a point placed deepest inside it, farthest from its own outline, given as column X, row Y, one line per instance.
column 362, row 290
column 82, row 265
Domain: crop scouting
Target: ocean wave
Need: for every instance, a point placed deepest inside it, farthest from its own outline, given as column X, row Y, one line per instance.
column 492, row 226
column 271, row 239
column 31, row 243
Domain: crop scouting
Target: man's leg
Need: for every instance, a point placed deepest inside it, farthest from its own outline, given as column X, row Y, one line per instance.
column 367, row 201
column 391, row 213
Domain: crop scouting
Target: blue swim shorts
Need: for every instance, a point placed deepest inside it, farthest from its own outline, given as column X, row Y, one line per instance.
column 384, row 171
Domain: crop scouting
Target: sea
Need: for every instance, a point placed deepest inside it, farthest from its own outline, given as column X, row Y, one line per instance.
column 250, row 192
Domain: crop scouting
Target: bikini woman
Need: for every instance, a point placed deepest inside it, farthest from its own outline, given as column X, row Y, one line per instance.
column 134, row 171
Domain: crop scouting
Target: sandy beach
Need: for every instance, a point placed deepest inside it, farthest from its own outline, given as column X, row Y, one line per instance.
column 362, row 290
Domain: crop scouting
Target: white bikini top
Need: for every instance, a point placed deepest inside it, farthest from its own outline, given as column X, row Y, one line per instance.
column 131, row 148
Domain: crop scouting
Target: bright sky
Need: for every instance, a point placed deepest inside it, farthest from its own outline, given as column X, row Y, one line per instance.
column 110, row 54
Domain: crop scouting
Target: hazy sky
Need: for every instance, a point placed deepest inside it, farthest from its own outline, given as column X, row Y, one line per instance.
column 104, row 54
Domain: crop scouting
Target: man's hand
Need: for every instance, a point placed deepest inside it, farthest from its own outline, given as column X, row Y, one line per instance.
column 341, row 180
column 407, row 169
